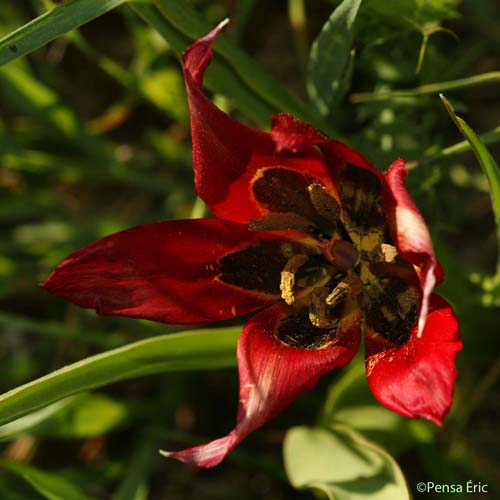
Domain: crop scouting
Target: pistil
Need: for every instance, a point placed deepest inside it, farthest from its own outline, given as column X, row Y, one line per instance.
column 341, row 253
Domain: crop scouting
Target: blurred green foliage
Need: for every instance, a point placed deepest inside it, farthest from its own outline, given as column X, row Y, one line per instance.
column 94, row 138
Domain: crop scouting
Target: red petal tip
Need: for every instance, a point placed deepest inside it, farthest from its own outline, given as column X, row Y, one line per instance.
column 291, row 134
column 272, row 375
column 206, row 455
column 213, row 34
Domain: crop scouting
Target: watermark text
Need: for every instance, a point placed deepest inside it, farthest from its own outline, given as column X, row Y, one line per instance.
column 468, row 487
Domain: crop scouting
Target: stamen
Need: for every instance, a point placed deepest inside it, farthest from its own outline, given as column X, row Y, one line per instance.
column 389, row 252
column 399, row 269
column 349, row 287
column 287, row 284
column 319, row 311
column 281, row 221
column 324, row 203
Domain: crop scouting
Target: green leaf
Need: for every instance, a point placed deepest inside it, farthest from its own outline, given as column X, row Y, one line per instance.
column 49, row 485
column 330, row 58
column 489, row 166
column 87, row 416
column 342, row 464
column 33, row 420
column 194, row 350
column 350, row 401
column 52, row 24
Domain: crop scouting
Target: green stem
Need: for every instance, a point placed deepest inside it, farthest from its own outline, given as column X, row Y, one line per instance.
column 421, row 54
column 430, row 88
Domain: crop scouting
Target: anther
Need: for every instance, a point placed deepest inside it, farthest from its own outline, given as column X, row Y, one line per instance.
column 281, row 221
column 287, row 284
column 324, row 203
column 389, row 252
column 349, row 287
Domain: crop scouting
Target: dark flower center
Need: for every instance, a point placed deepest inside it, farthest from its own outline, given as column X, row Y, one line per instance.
column 343, row 258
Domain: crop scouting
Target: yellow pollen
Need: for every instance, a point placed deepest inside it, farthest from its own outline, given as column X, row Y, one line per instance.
column 286, row 287
column 389, row 252
column 287, row 283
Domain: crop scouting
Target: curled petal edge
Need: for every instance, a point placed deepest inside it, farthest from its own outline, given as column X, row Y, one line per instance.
column 411, row 235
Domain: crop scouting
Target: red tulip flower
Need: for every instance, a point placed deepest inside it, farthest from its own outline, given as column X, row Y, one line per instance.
column 308, row 234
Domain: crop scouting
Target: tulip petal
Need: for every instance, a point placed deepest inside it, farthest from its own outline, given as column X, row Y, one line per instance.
column 417, row 379
column 410, row 234
column 291, row 134
column 272, row 375
column 227, row 155
column 167, row 272
column 339, row 154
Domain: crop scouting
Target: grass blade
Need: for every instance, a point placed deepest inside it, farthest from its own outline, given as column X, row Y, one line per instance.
column 486, row 161
column 429, row 88
column 194, row 350
column 52, row 24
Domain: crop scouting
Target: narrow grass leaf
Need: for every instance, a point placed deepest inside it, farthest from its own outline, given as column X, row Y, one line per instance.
column 194, row 350
column 33, row 420
column 52, row 24
column 487, row 163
